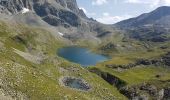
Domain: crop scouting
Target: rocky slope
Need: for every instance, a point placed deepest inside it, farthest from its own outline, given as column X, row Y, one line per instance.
column 158, row 17
column 14, row 6
column 62, row 14
column 153, row 26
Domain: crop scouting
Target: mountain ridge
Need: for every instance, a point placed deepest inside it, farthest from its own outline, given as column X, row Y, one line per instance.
column 64, row 15
column 153, row 26
column 152, row 17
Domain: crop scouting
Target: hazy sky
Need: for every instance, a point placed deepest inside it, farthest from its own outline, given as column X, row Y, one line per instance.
column 112, row 11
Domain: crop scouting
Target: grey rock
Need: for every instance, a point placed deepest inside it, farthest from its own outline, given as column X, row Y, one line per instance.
column 166, row 59
column 65, row 10
column 59, row 16
column 167, row 93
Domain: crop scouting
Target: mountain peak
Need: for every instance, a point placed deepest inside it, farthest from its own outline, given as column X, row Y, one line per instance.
column 54, row 12
column 62, row 14
column 14, row 6
column 147, row 18
column 163, row 8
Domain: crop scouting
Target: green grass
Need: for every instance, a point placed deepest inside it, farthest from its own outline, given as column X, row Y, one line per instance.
column 139, row 50
column 41, row 81
column 140, row 74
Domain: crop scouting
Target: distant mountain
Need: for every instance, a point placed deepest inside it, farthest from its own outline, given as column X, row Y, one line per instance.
column 153, row 26
column 160, row 16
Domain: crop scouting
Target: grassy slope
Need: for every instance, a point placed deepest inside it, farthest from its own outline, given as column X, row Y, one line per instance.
column 138, row 50
column 140, row 74
column 41, row 81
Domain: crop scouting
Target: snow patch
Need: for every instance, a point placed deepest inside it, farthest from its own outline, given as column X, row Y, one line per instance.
column 60, row 33
column 25, row 10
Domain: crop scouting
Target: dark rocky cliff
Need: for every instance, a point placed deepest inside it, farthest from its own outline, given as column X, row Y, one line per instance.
column 54, row 12
column 14, row 6
column 59, row 13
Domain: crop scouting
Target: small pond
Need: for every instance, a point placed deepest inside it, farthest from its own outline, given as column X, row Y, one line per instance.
column 81, row 56
column 76, row 83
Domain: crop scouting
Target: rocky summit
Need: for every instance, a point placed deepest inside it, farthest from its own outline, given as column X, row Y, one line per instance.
column 50, row 50
column 54, row 12
column 57, row 13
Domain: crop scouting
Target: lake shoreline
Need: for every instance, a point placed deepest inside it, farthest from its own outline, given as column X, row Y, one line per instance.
column 81, row 55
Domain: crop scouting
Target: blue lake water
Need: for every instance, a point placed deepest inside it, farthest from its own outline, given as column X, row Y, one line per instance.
column 81, row 56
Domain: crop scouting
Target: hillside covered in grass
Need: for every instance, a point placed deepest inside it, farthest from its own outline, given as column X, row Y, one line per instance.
column 30, row 68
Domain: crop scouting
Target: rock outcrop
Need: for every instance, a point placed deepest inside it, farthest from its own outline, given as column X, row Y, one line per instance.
column 112, row 80
column 14, row 6
column 145, row 91
column 166, row 59
column 58, row 13
column 166, row 94
column 54, row 12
